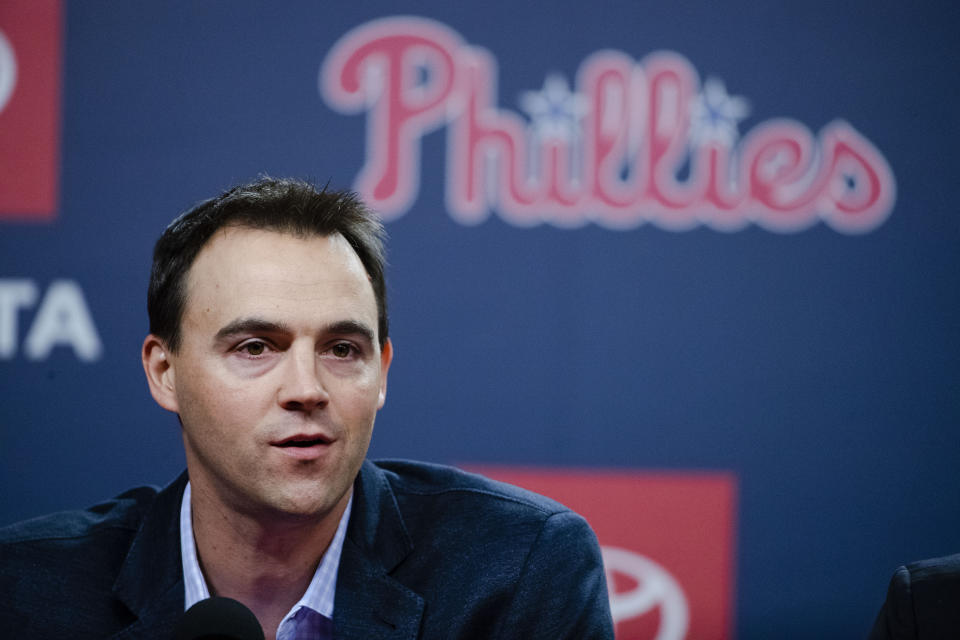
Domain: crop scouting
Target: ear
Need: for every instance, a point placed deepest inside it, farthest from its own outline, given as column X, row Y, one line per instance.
column 386, row 357
column 159, row 370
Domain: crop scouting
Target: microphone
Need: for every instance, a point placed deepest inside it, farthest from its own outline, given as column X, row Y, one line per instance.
column 219, row 619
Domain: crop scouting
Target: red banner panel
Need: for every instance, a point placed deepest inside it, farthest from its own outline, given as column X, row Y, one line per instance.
column 668, row 544
column 30, row 46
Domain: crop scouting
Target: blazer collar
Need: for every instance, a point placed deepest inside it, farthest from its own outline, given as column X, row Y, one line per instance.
column 150, row 582
column 371, row 604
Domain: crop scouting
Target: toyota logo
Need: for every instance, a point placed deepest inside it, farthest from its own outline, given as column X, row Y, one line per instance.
column 8, row 71
column 656, row 588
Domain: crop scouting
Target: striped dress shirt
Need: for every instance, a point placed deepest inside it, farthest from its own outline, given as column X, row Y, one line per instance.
column 311, row 618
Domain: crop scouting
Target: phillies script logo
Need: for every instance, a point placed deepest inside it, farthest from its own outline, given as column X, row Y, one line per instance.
column 610, row 151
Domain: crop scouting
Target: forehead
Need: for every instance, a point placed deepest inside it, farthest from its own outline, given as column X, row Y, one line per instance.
column 242, row 271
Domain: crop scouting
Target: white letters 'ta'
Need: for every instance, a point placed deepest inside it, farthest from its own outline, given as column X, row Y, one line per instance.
column 62, row 319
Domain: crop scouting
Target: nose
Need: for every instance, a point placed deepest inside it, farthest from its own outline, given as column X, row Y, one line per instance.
column 301, row 388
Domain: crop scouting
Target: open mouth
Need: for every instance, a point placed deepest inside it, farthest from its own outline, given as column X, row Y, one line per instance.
column 302, row 442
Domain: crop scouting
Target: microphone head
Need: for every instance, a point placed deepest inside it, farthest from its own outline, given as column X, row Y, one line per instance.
column 219, row 619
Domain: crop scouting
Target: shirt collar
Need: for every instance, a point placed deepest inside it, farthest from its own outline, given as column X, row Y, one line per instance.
column 319, row 595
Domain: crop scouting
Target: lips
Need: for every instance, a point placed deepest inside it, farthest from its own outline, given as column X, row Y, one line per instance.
column 302, row 441
column 304, row 446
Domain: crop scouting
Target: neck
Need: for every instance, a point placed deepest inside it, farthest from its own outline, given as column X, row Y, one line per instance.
column 266, row 561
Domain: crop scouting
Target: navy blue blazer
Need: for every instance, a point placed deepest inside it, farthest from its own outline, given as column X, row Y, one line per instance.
column 430, row 552
column 923, row 602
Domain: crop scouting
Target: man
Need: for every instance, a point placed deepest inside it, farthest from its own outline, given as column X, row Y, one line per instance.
column 269, row 340
column 923, row 602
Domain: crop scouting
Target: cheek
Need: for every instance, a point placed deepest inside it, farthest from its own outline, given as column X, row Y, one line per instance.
column 365, row 393
column 211, row 400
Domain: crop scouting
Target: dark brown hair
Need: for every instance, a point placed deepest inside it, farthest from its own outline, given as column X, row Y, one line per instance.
column 284, row 205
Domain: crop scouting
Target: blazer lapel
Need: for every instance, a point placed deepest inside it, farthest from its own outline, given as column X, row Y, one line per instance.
column 150, row 582
column 369, row 603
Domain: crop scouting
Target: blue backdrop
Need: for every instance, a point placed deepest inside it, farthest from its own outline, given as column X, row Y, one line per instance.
column 818, row 365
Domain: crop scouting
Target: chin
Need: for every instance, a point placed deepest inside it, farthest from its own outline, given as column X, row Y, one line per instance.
column 305, row 506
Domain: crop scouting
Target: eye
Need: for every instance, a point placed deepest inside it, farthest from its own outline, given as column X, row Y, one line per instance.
column 253, row 348
column 342, row 350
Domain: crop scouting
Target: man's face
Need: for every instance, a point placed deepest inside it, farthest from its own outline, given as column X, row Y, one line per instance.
column 279, row 375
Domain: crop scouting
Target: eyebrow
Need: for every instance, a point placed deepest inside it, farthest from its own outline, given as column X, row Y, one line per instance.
column 251, row 325
column 242, row 326
column 351, row 327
